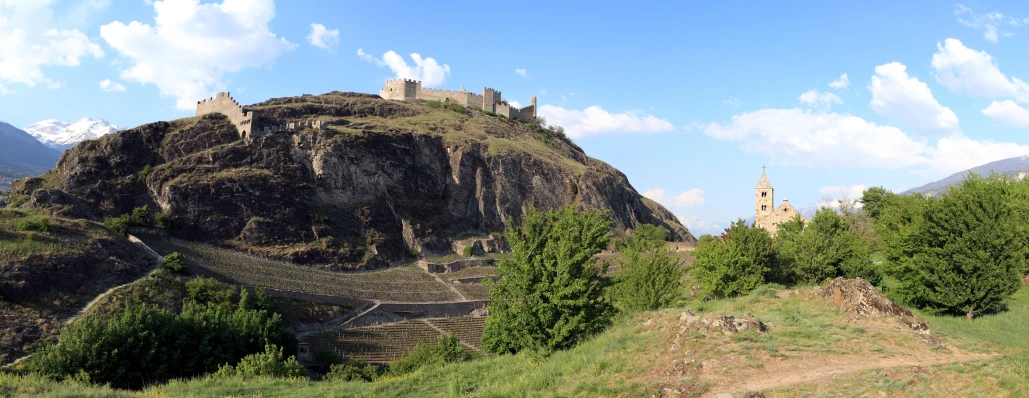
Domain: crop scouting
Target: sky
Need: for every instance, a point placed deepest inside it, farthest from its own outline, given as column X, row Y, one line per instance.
column 688, row 99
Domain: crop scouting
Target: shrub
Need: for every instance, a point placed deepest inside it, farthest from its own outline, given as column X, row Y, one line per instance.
column 649, row 277
column 210, row 291
column 35, row 223
column 269, row 363
column 826, row 248
column 550, row 294
column 141, row 216
column 142, row 175
column 968, row 254
column 118, row 224
column 734, row 264
column 163, row 220
column 654, row 233
column 174, row 263
column 434, row 104
column 467, row 251
column 447, row 349
column 350, row 371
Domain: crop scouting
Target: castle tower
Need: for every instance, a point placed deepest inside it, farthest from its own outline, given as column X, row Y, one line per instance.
column 764, row 201
column 533, row 102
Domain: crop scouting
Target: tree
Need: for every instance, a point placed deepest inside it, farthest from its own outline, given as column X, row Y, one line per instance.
column 550, row 294
column 174, row 263
column 736, row 263
column 270, row 363
column 968, row 255
column 650, row 276
column 826, row 248
column 874, row 199
column 655, row 233
column 142, row 216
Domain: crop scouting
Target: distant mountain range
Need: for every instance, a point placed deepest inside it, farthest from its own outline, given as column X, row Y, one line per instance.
column 1017, row 167
column 21, row 155
column 61, row 136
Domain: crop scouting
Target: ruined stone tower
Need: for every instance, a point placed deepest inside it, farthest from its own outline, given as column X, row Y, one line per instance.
column 224, row 104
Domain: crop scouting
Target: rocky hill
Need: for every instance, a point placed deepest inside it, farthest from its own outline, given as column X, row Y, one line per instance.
column 21, row 155
column 384, row 181
column 1017, row 167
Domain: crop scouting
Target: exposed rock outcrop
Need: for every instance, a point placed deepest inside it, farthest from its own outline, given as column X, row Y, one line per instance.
column 858, row 298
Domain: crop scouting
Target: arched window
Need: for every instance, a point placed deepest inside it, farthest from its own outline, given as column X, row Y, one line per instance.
column 764, row 207
column 764, row 194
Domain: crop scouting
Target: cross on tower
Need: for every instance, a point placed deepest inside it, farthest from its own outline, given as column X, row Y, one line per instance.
column 762, row 169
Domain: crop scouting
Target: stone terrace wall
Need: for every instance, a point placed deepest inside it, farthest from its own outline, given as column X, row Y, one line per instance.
column 224, row 104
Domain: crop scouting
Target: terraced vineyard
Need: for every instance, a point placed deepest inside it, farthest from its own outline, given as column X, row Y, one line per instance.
column 391, row 341
column 467, row 328
column 473, row 291
column 405, row 284
column 473, row 272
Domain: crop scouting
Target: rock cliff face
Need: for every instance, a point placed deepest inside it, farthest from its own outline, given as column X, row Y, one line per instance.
column 384, row 180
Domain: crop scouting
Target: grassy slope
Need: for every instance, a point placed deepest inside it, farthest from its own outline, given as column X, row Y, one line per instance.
column 653, row 353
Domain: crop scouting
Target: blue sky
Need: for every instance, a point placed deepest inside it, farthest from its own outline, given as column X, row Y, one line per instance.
column 688, row 99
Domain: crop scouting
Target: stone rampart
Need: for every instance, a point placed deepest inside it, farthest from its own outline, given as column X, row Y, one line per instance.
column 224, row 104
column 490, row 99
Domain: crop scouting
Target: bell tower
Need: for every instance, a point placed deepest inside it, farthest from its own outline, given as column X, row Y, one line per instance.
column 764, row 201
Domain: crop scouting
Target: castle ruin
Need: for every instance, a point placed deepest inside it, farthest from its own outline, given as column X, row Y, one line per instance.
column 244, row 121
column 766, row 215
column 489, row 100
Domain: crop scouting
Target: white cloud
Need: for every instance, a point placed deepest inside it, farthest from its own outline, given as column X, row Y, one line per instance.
column 594, row 121
column 521, row 72
column 1008, row 112
column 427, row 70
column 690, row 198
column 959, row 68
column 958, row 152
column 842, row 82
column 905, row 98
column 819, row 100
column 31, row 40
column 109, row 86
column 4, row 90
column 731, row 101
column 191, row 46
column 840, row 192
column 322, row 37
column 988, row 22
column 515, row 104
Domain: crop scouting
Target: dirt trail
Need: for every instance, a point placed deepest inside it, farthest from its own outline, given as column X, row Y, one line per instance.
column 800, row 372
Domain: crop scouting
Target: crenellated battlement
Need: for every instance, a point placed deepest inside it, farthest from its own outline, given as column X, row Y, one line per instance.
column 224, row 103
column 490, row 99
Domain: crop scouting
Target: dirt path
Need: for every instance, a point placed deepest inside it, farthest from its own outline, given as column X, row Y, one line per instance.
column 801, row 372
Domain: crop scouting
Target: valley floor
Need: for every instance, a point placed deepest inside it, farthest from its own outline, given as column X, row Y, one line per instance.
column 811, row 349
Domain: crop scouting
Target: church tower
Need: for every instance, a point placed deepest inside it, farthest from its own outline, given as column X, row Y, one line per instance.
column 764, row 202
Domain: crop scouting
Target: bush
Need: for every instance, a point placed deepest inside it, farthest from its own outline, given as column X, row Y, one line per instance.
column 735, row 263
column 968, row 252
column 654, row 233
column 447, row 349
column 35, row 223
column 118, row 224
column 826, row 248
column 467, row 251
column 144, row 345
column 210, row 291
column 550, row 294
column 650, row 276
column 434, row 104
column 142, row 175
column 163, row 220
column 141, row 216
column 174, row 263
column 269, row 363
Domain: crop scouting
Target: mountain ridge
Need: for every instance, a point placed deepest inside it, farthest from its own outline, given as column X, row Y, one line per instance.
column 1017, row 167
column 61, row 135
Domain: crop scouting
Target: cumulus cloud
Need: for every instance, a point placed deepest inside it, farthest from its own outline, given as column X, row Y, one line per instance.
column 842, row 82
column 1008, row 112
column 961, row 69
column 988, row 22
column 901, row 97
column 690, row 198
column 819, row 100
column 731, row 101
column 191, row 46
column 30, row 40
column 109, row 86
column 322, row 37
column 521, row 72
column 595, row 121
column 427, row 70
column 515, row 104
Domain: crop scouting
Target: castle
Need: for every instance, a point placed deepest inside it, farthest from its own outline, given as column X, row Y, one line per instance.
column 489, row 100
column 766, row 215
column 244, row 121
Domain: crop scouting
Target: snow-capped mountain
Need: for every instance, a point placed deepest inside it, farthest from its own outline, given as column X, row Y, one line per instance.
column 60, row 135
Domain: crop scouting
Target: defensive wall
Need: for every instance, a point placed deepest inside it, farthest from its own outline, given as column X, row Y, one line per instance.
column 490, row 99
column 244, row 121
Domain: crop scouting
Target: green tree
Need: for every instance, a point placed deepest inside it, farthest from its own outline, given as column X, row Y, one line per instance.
column 735, row 263
column 651, row 232
column 118, row 224
column 650, row 276
column 447, row 349
column 174, row 263
column 550, row 294
column 270, row 363
column 968, row 255
column 874, row 200
column 210, row 291
column 142, row 216
column 826, row 248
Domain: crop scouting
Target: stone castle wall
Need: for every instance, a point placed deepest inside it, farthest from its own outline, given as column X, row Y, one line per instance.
column 490, row 99
column 224, row 104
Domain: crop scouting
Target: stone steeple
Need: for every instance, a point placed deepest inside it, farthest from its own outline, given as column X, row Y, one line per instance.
column 763, row 183
column 764, row 195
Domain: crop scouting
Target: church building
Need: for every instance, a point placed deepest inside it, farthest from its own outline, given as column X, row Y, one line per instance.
column 768, row 216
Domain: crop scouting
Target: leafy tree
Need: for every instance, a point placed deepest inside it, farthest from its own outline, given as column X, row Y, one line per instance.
column 826, row 248
column 735, row 263
column 968, row 254
column 174, row 263
column 210, row 291
column 874, row 199
column 650, row 276
column 163, row 220
column 142, row 216
column 270, row 363
column 118, row 224
column 550, row 294
column 705, row 238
